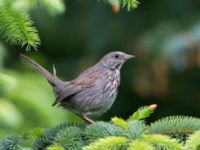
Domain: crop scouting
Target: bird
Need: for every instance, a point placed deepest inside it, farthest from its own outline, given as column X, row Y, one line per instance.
column 93, row 91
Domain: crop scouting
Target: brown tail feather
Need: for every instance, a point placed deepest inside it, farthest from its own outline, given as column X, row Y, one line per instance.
column 57, row 84
column 38, row 68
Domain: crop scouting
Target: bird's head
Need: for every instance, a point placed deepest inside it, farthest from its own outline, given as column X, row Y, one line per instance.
column 114, row 60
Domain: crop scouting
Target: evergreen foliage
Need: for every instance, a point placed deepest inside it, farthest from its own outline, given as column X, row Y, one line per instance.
column 194, row 141
column 140, row 145
column 55, row 147
column 18, row 29
column 16, row 25
column 120, row 134
column 163, row 142
column 49, row 135
column 120, row 122
column 175, row 125
column 11, row 143
column 101, row 130
column 129, row 4
column 136, row 129
column 107, row 143
column 141, row 113
column 70, row 140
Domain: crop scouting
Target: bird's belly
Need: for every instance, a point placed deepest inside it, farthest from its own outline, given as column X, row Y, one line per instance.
column 93, row 101
column 96, row 100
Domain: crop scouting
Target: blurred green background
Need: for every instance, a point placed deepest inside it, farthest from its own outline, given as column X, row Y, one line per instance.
column 163, row 35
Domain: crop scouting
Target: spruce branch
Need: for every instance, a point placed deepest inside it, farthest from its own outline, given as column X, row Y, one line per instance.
column 71, row 138
column 11, row 143
column 129, row 4
column 125, row 135
column 55, row 147
column 17, row 28
column 102, row 129
column 140, row 145
column 175, row 125
column 142, row 112
column 194, row 141
column 107, row 143
column 163, row 142
column 119, row 122
column 48, row 136
column 136, row 129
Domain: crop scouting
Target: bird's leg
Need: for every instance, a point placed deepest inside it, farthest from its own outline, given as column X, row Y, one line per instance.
column 86, row 119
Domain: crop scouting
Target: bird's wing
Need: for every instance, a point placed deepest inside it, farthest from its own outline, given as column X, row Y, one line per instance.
column 76, row 86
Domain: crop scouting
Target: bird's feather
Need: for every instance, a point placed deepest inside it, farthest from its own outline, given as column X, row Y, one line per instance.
column 74, row 87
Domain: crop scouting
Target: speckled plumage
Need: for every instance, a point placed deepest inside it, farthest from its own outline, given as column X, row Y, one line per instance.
column 93, row 92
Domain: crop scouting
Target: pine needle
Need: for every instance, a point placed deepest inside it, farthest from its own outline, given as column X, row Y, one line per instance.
column 17, row 28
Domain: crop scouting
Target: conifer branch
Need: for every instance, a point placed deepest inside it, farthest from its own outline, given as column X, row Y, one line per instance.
column 55, row 147
column 128, row 4
column 140, row 145
column 104, row 135
column 194, row 141
column 11, row 143
column 142, row 113
column 163, row 142
column 175, row 125
column 70, row 138
column 102, row 129
column 17, row 28
column 108, row 143
column 119, row 122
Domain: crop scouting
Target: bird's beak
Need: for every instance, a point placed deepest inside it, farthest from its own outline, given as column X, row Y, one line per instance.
column 129, row 56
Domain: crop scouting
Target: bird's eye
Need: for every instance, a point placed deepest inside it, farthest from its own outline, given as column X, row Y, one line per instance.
column 116, row 56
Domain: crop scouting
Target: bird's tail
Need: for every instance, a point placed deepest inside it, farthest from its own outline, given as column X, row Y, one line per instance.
column 38, row 68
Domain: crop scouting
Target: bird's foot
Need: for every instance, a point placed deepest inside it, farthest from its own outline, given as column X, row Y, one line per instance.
column 86, row 119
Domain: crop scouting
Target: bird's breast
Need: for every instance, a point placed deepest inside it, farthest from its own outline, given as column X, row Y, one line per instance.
column 111, row 88
column 97, row 99
column 112, row 81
